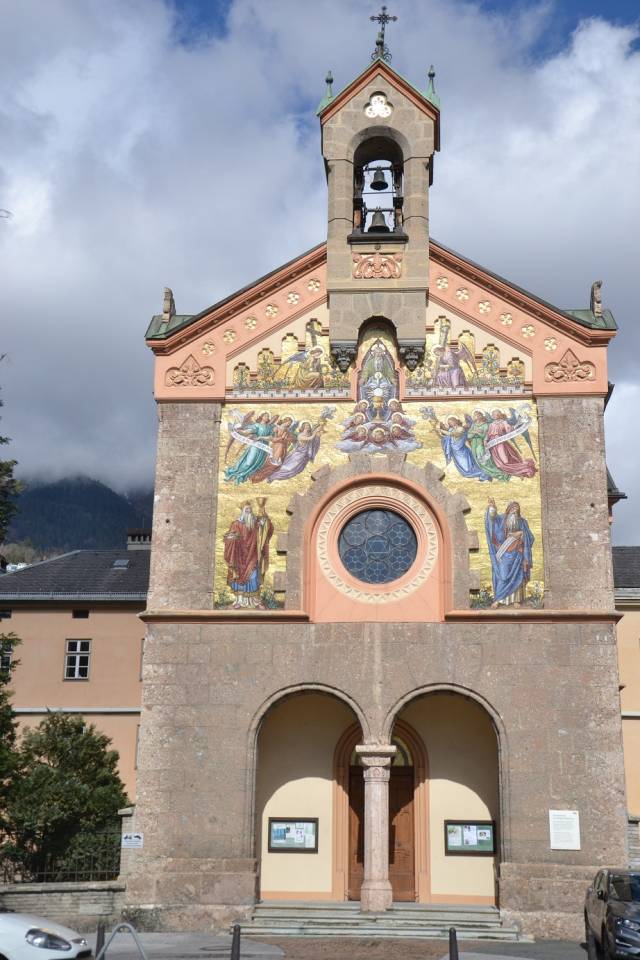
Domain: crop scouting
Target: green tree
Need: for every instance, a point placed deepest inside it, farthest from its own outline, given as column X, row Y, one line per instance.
column 8, row 725
column 8, row 490
column 65, row 793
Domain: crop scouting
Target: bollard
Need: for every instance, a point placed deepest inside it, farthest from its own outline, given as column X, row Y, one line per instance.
column 100, row 934
column 453, row 944
column 235, row 942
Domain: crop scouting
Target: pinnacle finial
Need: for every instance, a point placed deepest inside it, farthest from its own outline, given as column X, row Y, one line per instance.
column 329, row 82
column 431, row 94
column 381, row 51
column 328, row 96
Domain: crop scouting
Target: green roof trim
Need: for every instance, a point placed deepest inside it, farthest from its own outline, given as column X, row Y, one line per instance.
column 159, row 328
column 588, row 319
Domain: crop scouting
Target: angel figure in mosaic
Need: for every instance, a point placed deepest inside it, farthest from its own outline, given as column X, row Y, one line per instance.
column 501, row 443
column 253, row 435
column 305, row 450
column 448, row 370
column 453, row 434
column 282, row 440
column 477, row 430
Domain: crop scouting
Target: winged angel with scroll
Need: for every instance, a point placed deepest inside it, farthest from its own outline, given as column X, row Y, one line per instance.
column 485, row 446
column 272, row 447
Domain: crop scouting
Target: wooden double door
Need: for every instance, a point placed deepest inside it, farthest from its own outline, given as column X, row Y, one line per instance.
column 401, row 833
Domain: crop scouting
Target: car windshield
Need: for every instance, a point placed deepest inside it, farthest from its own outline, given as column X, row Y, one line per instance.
column 625, row 887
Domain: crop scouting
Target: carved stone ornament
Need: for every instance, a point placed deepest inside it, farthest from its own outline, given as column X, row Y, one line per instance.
column 377, row 266
column 343, row 355
column 375, row 773
column 569, row 369
column 168, row 305
column 596, row 298
column 189, row 374
column 411, row 354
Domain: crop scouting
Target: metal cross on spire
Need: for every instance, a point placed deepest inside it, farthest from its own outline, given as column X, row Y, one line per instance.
column 381, row 51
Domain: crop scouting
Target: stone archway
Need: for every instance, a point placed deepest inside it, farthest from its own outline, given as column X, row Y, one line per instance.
column 294, row 754
column 463, row 744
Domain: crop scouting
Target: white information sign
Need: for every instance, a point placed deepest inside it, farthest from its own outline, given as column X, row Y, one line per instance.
column 564, row 829
column 132, row 841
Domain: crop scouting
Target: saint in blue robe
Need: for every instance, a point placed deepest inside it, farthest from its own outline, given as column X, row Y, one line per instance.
column 511, row 559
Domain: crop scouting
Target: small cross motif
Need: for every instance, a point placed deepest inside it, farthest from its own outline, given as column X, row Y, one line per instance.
column 381, row 51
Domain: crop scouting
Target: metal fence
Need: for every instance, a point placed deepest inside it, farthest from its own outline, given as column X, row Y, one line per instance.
column 96, row 857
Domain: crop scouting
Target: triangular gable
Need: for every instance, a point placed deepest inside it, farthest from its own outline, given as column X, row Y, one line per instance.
column 194, row 357
column 381, row 70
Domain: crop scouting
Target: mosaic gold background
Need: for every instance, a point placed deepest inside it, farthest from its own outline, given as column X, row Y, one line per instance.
column 278, row 493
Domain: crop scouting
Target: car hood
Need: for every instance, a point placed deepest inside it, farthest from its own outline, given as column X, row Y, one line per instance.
column 15, row 922
column 630, row 911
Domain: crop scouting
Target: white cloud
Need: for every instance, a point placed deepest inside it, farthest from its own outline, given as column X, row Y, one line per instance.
column 132, row 161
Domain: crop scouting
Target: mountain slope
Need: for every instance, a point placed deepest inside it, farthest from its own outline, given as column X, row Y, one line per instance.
column 77, row 513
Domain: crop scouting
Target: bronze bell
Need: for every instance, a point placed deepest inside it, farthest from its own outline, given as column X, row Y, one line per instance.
column 379, row 182
column 378, row 222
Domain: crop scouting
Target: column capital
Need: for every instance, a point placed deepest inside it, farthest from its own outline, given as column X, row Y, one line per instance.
column 376, row 759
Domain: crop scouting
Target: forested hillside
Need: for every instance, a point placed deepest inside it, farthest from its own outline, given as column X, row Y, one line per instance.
column 77, row 513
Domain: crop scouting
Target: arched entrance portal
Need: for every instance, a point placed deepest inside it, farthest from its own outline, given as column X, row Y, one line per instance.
column 408, row 817
column 295, row 792
column 461, row 742
column 445, row 768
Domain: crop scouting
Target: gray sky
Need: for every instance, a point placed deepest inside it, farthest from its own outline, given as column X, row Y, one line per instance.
column 138, row 153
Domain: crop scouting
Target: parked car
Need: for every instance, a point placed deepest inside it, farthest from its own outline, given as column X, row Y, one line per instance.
column 24, row 937
column 612, row 915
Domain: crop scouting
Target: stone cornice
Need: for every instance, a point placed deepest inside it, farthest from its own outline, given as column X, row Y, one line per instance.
column 520, row 615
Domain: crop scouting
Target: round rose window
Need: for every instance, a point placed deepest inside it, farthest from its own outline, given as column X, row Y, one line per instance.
column 377, row 546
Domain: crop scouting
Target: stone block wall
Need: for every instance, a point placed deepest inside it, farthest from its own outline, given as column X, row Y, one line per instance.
column 80, row 906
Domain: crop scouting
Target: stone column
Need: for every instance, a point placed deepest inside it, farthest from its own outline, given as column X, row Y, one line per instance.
column 376, row 892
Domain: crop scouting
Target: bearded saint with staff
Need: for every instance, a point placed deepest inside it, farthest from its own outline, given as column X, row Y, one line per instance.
column 246, row 553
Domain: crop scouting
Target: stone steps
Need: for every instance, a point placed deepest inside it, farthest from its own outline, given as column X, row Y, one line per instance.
column 403, row 920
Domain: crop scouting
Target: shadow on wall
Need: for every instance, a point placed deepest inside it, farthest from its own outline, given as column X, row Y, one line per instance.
column 461, row 745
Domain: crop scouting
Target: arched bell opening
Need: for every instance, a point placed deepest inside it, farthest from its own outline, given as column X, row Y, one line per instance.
column 378, row 184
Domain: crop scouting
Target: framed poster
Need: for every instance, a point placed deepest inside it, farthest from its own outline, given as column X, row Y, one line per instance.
column 293, row 835
column 464, row 838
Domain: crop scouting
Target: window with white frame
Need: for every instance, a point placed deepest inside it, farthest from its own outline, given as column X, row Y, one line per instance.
column 76, row 661
column 6, row 657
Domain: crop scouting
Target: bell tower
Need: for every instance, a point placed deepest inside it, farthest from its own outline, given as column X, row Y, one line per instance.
column 379, row 136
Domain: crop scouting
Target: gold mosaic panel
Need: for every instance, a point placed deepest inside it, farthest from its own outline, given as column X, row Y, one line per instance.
column 268, row 454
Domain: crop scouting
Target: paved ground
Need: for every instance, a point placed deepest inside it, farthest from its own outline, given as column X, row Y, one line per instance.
column 202, row 946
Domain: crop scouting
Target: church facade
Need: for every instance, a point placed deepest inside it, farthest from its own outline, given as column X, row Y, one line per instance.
column 380, row 662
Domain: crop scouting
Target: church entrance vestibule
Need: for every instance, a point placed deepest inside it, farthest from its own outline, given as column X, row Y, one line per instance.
column 379, row 808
